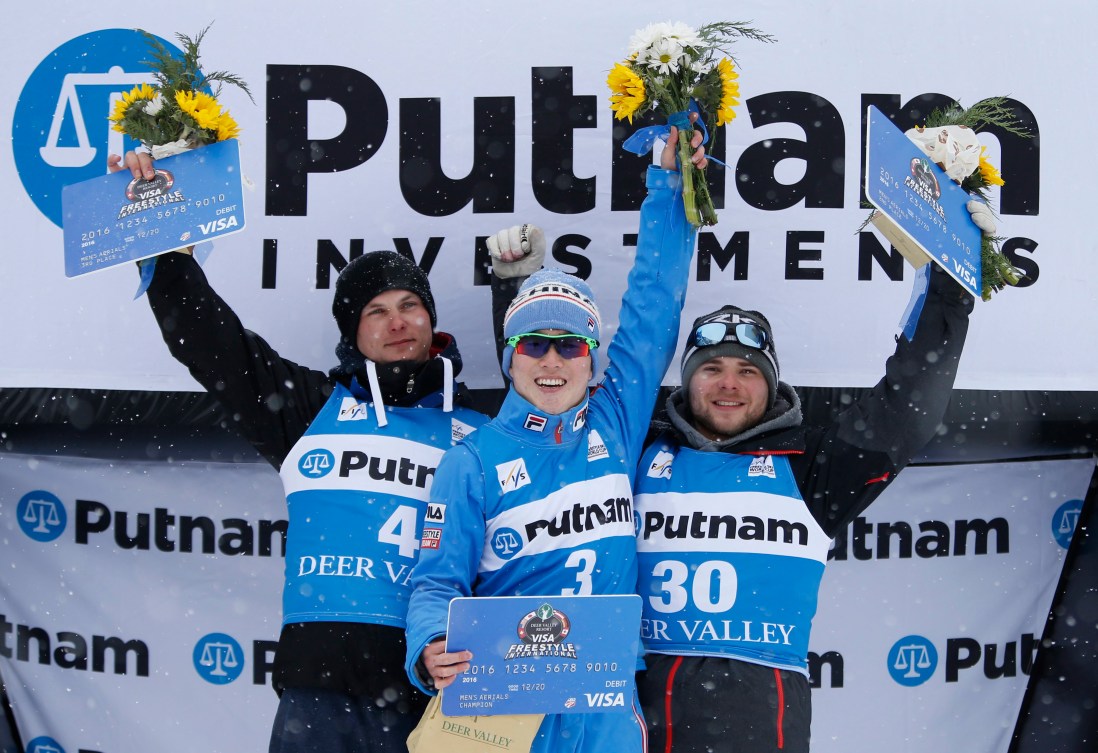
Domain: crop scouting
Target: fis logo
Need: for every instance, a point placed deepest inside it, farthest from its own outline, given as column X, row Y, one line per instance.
column 1064, row 521
column 41, row 515
column 44, row 744
column 912, row 660
column 436, row 513
column 61, row 133
column 661, row 465
column 604, row 700
column 316, row 464
column 762, row 466
column 506, row 543
column 352, row 410
column 218, row 658
column 596, row 448
column 220, row 225
column 512, row 475
column 459, row 430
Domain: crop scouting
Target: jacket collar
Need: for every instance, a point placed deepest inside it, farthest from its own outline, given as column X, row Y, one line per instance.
column 520, row 418
column 770, row 436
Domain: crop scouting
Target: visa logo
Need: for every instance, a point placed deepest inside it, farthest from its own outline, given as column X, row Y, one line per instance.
column 964, row 274
column 605, row 699
column 218, row 225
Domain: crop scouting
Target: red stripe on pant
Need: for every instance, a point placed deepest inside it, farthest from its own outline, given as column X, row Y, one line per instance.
column 667, row 701
column 781, row 707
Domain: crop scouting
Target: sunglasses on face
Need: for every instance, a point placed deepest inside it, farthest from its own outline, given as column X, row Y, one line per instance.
column 536, row 346
column 745, row 333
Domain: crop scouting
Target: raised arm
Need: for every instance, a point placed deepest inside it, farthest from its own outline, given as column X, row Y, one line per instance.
column 849, row 463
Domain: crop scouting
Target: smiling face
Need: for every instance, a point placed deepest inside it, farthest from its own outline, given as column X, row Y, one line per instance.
column 727, row 396
column 551, row 383
column 394, row 326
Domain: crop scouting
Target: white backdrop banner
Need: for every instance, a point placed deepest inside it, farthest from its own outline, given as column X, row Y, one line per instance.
column 425, row 128
column 140, row 606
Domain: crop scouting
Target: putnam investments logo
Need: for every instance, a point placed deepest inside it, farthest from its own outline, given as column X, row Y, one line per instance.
column 41, row 515
column 218, row 658
column 912, row 660
column 60, row 132
column 1064, row 521
column 44, row 744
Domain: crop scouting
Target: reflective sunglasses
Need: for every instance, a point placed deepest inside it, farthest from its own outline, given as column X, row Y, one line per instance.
column 745, row 333
column 536, row 345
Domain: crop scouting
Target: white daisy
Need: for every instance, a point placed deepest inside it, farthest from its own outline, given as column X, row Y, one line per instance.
column 664, row 55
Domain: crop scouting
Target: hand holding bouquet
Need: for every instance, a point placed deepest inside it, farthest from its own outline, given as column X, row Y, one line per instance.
column 174, row 114
column 949, row 138
column 675, row 70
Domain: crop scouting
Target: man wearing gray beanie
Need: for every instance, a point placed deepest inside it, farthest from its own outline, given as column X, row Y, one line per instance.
column 737, row 501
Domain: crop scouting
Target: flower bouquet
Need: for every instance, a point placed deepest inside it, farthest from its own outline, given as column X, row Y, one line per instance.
column 674, row 70
column 175, row 114
column 949, row 138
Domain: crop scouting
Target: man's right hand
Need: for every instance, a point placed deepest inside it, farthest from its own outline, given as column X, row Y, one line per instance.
column 139, row 165
column 517, row 251
column 444, row 667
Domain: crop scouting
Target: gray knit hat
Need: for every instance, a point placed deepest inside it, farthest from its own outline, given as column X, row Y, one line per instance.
column 715, row 334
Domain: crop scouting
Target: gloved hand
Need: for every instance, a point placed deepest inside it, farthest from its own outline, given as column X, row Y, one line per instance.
column 517, row 251
column 982, row 216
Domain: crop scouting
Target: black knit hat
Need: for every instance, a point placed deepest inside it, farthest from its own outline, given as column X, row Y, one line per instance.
column 729, row 344
column 370, row 275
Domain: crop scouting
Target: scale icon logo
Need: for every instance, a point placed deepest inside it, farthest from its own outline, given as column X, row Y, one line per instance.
column 44, row 744
column 1064, row 521
column 317, row 463
column 912, row 660
column 218, row 658
column 41, row 515
column 506, row 543
column 60, row 131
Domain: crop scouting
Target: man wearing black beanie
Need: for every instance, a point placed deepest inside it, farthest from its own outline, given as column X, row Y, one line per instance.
column 383, row 417
column 737, row 501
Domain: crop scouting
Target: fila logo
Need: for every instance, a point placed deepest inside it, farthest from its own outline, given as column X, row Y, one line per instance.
column 762, row 466
column 534, row 422
column 596, row 448
column 661, row 465
column 459, row 430
column 436, row 513
column 431, row 538
column 352, row 410
column 605, row 699
column 580, row 420
column 512, row 475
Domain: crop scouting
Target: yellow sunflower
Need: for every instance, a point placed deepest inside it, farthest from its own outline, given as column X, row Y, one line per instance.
column 141, row 93
column 989, row 172
column 201, row 106
column 730, row 92
column 227, row 127
column 627, row 92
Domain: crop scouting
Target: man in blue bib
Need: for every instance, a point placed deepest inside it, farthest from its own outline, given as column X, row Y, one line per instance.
column 737, row 501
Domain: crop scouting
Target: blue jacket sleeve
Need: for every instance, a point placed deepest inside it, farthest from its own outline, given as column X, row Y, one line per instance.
column 648, row 326
column 450, row 570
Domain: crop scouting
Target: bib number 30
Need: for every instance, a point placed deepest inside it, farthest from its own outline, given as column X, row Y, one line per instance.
column 712, row 586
